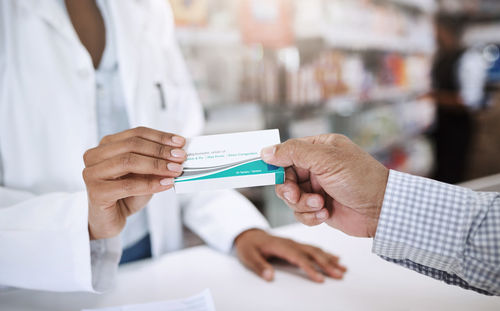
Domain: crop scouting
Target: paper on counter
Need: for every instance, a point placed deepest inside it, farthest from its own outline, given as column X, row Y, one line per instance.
column 200, row 302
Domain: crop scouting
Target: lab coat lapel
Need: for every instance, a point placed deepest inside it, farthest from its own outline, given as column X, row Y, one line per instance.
column 129, row 18
column 53, row 14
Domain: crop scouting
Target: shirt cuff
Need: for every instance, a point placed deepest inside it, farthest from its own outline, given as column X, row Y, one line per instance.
column 105, row 256
column 423, row 220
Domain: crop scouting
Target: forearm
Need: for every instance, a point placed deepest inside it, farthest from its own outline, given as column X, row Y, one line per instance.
column 446, row 232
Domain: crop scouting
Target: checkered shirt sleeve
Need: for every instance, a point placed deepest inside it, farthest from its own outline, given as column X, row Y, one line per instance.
column 443, row 231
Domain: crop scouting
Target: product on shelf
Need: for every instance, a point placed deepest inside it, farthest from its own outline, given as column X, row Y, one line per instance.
column 465, row 7
column 190, row 12
column 383, row 127
column 381, row 76
column 266, row 22
column 414, row 156
column 361, row 24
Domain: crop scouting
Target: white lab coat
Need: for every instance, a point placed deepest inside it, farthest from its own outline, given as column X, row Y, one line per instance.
column 47, row 122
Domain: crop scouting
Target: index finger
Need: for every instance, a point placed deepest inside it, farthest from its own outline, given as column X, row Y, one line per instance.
column 148, row 134
column 295, row 187
column 289, row 190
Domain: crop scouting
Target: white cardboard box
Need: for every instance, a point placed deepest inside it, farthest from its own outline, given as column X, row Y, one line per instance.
column 228, row 161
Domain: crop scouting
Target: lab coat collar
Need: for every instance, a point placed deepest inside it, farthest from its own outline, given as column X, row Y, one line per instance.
column 52, row 13
column 128, row 35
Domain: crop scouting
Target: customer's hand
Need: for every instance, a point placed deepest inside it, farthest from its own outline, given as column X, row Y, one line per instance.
column 124, row 171
column 330, row 179
column 255, row 247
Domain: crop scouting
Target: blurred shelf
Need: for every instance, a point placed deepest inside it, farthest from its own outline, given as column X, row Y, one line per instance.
column 483, row 34
column 380, row 94
column 196, row 36
column 335, row 104
column 368, row 40
column 427, row 6
column 392, row 142
column 234, row 118
column 482, row 17
column 471, row 11
column 349, row 40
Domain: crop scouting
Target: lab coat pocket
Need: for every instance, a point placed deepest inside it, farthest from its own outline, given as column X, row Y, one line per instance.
column 165, row 115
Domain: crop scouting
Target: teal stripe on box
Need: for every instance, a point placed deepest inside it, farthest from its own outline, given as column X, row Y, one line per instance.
column 253, row 168
column 280, row 177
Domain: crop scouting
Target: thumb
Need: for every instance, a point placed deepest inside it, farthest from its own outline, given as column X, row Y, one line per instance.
column 296, row 152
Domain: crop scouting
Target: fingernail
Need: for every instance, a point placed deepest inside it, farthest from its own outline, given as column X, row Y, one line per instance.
column 178, row 153
column 320, row 278
column 268, row 152
column 288, row 196
column 267, row 275
column 174, row 167
column 340, row 273
column 167, row 182
column 178, row 140
column 337, row 272
column 322, row 215
column 314, row 203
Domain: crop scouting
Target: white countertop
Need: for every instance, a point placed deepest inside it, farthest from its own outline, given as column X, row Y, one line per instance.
column 370, row 284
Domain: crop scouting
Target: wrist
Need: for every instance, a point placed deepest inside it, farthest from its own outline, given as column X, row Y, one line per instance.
column 103, row 231
column 247, row 233
column 91, row 236
column 379, row 203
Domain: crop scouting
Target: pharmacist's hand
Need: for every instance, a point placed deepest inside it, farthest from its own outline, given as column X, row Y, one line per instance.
column 124, row 171
column 255, row 247
column 330, row 179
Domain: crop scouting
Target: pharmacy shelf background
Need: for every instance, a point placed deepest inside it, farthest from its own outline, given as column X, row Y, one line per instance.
column 356, row 67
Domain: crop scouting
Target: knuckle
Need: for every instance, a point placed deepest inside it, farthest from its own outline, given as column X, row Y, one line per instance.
column 300, row 218
column 316, row 250
column 156, row 164
column 162, row 151
column 86, row 157
column 128, row 185
column 291, row 144
column 151, row 185
column 280, row 189
column 305, row 219
column 105, row 140
column 140, row 129
column 86, row 175
column 164, row 138
column 294, row 148
column 339, row 139
column 134, row 143
column 127, row 160
column 260, row 266
column 333, row 260
column 289, row 242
